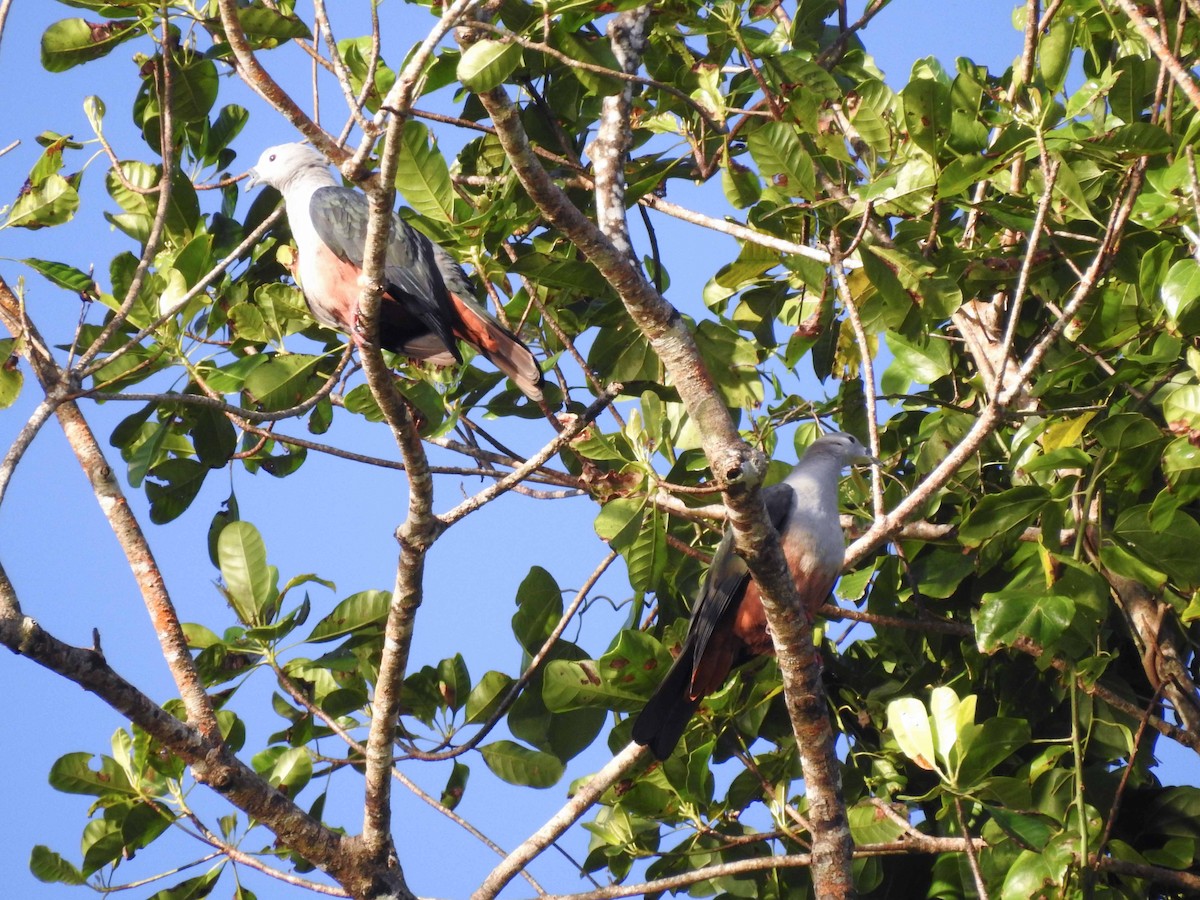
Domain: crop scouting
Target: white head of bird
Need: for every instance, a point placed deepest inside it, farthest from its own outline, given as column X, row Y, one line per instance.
column 283, row 163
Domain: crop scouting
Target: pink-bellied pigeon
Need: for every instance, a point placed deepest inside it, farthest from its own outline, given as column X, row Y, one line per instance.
column 427, row 304
column 728, row 625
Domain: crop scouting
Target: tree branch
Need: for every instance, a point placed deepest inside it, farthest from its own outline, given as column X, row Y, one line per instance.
column 120, row 518
column 736, row 467
column 587, row 795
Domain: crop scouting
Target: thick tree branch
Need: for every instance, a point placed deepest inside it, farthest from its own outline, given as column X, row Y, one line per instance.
column 209, row 758
column 120, row 518
column 421, row 527
column 736, row 467
column 257, row 78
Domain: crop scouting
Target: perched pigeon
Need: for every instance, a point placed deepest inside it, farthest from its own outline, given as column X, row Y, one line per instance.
column 728, row 625
column 427, row 301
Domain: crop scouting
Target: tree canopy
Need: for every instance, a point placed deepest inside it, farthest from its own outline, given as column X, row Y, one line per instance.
column 991, row 278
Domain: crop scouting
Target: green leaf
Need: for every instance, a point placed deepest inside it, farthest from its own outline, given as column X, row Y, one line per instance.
column 226, row 126
column 927, row 113
column 732, row 361
column 101, row 844
column 49, row 867
column 177, row 482
column 1181, row 289
column 1181, row 407
column 11, row 377
column 571, row 685
column 454, row 681
column 422, row 175
column 620, row 680
column 1127, row 95
column 264, row 22
column 647, row 555
column 282, row 382
column 1071, row 202
column 922, row 362
column 909, row 722
column 948, row 714
column 1036, row 875
column 1170, row 548
column 741, row 185
column 145, row 822
column 250, row 584
column 986, row 746
column 53, row 202
column 66, row 277
column 213, row 436
column 73, row 774
column 485, row 64
column 1030, row 832
column 486, row 696
column 287, row 768
column 456, row 785
column 71, row 42
column 1054, row 51
column 539, row 607
column 519, row 765
column 782, row 159
column 998, row 514
column 623, row 352
column 194, row 89
column 1007, row 616
column 149, row 452
column 358, row 611
column 193, row 888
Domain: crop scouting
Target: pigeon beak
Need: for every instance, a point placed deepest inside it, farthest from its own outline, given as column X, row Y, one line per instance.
column 252, row 180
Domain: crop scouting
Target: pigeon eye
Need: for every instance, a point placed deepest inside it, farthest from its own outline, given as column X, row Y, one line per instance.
column 271, row 158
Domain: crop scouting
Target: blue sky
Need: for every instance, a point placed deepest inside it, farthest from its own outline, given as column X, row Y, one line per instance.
column 331, row 518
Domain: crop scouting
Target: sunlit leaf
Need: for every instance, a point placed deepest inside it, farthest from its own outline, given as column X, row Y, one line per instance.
column 520, row 765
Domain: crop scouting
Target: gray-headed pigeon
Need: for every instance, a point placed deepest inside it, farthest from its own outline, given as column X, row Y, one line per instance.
column 728, row 625
column 427, row 301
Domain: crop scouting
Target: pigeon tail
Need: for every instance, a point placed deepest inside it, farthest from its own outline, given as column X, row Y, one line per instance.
column 665, row 716
column 499, row 345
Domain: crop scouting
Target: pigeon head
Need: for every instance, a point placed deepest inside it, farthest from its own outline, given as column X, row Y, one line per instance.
column 282, row 163
column 844, row 448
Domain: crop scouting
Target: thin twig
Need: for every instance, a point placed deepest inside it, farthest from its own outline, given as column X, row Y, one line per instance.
column 865, row 361
column 299, row 696
column 508, row 37
column 24, row 438
column 251, row 240
column 534, row 462
column 972, row 856
column 339, row 68
column 515, row 689
column 158, row 225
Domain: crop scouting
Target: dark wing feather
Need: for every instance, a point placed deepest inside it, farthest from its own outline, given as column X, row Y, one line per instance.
column 727, row 576
column 412, row 279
